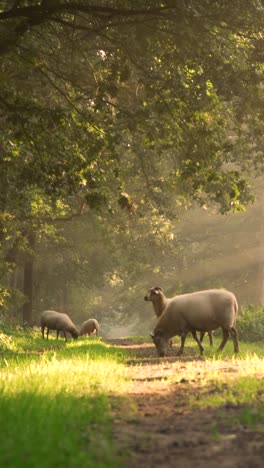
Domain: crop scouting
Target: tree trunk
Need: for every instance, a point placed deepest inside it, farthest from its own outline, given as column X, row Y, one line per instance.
column 28, row 285
column 11, row 257
column 261, row 273
column 63, row 300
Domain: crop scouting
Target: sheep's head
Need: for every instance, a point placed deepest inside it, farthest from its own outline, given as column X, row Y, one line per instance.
column 74, row 334
column 161, row 342
column 153, row 294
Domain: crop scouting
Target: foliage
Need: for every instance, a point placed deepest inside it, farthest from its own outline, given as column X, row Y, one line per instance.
column 107, row 105
column 158, row 103
column 104, row 269
column 250, row 323
column 140, row 109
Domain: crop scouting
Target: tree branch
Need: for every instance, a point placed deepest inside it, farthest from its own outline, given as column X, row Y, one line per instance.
column 46, row 9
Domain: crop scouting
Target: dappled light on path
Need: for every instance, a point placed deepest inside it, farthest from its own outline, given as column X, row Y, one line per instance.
column 189, row 410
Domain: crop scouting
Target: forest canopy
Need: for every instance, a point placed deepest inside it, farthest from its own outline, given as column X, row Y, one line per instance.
column 143, row 107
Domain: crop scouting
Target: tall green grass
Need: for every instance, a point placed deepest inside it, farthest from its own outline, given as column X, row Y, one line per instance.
column 54, row 402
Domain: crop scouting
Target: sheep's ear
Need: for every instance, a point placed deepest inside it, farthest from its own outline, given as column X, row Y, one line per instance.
column 158, row 290
column 152, row 334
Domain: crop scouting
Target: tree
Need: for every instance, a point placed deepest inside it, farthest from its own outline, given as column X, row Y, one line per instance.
column 108, row 81
column 131, row 107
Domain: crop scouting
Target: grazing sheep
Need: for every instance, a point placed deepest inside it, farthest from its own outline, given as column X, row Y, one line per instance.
column 57, row 321
column 88, row 327
column 198, row 311
column 210, row 336
column 159, row 307
column 62, row 335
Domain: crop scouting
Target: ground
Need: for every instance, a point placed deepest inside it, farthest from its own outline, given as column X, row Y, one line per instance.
column 157, row 426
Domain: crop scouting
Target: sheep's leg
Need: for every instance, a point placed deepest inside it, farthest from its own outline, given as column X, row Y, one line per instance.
column 233, row 333
column 210, row 338
column 64, row 332
column 183, row 338
column 194, row 334
column 42, row 332
column 225, row 338
column 58, row 334
column 202, row 336
column 209, row 335
column 47, row 333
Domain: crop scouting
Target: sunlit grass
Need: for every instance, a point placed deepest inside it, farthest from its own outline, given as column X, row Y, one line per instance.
column 245, row 350
column 54, row 403
column 245, row 394
column 55, row 397
column 241, row 391
column 222, row 379
column 53, row 374
column 18, row 341
column 214, row 365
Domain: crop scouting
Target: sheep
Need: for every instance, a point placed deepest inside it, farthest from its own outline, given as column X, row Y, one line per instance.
column 158, row 310
column 159, row 307
column 210, row 336
column 202, row 310
column 62, row 335
column 88, row 327
column 53, row 320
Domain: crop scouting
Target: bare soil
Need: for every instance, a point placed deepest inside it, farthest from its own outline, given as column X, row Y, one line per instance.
column 156, row 426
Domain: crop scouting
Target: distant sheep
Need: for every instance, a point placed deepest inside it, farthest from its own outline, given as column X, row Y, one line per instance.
column 198, row 311
column 159, row 307
column 88, row 327
column 53, row 320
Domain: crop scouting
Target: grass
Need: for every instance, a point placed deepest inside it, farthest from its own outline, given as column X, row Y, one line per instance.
column 54, row 404
column 244, row 395
column 56, row 398
column 222, row 380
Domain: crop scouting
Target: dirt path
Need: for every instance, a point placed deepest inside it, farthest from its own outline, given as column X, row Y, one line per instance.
column 156, row 425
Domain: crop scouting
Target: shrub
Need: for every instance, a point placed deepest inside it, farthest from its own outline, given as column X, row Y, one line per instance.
column 250, row 323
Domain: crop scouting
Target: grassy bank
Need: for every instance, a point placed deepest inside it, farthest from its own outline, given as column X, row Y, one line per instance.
column 54, row 405
column 55, row 398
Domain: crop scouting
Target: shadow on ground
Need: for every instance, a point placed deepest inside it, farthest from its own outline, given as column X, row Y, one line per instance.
column 145, row 353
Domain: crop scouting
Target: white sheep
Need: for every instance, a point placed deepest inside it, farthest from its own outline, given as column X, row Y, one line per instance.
column 88, row 327
column 53, row 320
column 198, row 311
column 159, row 307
